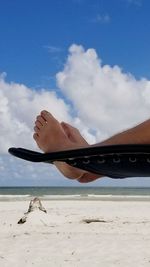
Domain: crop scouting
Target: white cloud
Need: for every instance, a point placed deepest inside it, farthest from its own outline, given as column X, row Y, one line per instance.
column 53, row 49
column 102, row 18
column 15, row 171
column 104, row 100
column 19, row 107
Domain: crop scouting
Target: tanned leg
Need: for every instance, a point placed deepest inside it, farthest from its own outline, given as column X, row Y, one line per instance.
column 50, row 135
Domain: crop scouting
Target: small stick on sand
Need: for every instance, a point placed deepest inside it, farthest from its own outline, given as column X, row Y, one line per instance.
column 35, row 204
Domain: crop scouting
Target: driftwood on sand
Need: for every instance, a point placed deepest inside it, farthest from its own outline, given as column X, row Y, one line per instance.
column 35, row 205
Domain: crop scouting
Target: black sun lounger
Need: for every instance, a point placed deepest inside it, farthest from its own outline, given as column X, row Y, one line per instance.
column 115, row 161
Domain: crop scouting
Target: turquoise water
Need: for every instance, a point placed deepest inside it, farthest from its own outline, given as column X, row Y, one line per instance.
column 82, row 193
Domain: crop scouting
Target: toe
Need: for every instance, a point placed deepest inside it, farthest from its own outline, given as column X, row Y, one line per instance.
column 41, row 120
column 65, row 128
column 36, row 129
column 35, row 136
column 38, row 124
column 68, row 126
column 47, row 116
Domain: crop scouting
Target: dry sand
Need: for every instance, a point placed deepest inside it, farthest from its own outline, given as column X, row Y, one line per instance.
column 119, row 234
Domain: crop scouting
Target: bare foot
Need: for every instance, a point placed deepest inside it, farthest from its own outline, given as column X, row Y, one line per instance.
column 50, row 135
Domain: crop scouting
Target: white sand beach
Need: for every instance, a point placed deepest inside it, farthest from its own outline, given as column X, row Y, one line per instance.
column 62, row 238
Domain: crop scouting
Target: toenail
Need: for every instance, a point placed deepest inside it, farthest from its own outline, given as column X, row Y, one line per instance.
column 35, row 135
column 44, row 111
column 36, row 129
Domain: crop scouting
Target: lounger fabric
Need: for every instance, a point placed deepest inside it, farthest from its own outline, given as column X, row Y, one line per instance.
column 115, row 161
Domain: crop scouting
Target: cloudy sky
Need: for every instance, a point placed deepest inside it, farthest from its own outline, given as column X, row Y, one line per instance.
column 87, row 62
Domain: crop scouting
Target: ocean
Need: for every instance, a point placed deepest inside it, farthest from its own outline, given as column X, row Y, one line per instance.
column 75, row 193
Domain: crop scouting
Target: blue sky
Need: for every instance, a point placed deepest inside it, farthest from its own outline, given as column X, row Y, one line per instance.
column 34, row 51
column 117, row 29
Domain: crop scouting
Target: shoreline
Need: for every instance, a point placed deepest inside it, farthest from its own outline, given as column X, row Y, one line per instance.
column 101, row 198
